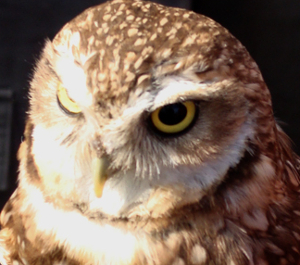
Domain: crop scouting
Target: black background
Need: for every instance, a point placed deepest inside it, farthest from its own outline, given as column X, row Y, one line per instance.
column 268, row 28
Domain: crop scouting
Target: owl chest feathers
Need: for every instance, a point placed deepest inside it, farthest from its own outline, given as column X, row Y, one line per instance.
column 41, row 233
column 36, row 230
column 41, row 230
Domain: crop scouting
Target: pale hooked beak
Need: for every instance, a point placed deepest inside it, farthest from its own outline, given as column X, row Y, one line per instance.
column 99, row 170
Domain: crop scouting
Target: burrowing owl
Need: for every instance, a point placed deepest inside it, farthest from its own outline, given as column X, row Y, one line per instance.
column 151, row 140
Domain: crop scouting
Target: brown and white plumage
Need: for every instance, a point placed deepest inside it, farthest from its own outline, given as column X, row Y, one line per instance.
column 225, row 190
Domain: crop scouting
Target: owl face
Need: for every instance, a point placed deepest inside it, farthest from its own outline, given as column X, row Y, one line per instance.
column 127, row 103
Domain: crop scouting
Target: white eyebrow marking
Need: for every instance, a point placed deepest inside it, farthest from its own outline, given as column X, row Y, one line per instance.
column 175, row 88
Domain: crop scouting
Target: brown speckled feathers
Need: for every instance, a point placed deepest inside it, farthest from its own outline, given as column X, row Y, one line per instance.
column 150, row 140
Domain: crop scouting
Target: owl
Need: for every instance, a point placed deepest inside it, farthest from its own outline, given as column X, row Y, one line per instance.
column 150, row 140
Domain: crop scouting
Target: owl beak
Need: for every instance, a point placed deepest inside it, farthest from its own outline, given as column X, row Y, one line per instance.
column 99, row 169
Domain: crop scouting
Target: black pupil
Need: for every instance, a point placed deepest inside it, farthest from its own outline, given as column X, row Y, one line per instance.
column 172, row 114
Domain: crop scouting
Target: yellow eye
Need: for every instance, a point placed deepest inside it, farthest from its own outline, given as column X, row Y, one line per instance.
column 67, row 104
column 174, row 118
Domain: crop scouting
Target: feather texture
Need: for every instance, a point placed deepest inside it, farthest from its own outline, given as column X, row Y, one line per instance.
column 224, row 190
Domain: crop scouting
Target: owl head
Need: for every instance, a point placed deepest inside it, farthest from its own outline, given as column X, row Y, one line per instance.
column 150, row 139
column 139, row 110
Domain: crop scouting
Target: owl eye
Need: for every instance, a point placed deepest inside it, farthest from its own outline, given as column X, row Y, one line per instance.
column 174, row 118
column 67, row 104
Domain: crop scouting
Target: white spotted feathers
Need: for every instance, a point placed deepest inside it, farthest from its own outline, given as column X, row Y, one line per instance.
column 150, row 139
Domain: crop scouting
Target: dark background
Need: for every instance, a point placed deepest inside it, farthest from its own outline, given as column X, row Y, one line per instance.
column 268, row 28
